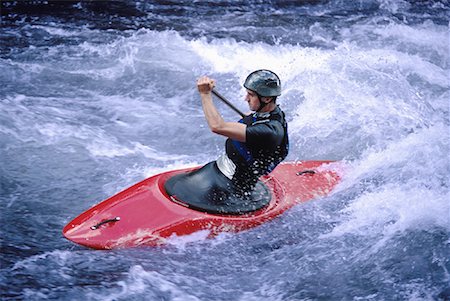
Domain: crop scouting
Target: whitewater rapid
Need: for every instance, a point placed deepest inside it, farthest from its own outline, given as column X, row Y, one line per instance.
column 87, row 111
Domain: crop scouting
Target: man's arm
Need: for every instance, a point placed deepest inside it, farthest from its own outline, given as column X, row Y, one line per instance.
column 233, row 130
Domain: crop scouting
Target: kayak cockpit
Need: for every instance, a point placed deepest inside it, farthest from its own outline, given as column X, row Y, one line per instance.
column 205, row 190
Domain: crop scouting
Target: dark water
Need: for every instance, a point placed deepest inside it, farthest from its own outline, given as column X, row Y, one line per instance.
column 97, row 95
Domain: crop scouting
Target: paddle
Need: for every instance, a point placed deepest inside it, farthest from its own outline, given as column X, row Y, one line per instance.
column 227, row 102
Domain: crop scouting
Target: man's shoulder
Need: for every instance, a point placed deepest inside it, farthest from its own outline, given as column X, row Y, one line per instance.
column 264, row 129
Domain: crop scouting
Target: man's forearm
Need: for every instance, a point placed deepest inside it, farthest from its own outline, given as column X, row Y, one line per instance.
column 213, row 117
column 233, row 130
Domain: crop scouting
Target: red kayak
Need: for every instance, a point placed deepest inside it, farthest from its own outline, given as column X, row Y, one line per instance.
column 145, row 215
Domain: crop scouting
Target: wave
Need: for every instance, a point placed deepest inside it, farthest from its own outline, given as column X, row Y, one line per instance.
column 86, row 111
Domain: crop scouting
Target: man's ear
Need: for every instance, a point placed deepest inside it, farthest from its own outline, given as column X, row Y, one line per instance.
column 267, row 100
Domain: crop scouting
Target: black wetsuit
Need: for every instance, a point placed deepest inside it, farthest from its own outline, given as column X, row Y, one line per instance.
column 236, row 190
column 266, row 146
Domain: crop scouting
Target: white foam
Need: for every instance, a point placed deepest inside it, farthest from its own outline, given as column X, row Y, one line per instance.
column 111, row 148
column 181, row 241
column 241, row 58
column 58, row 31
column 177, row 164
column 151, row 283
column 41, row 262
column 393, row 209
column 411, row 195
column 394, row 6
column 427, row 35
column 410, row 154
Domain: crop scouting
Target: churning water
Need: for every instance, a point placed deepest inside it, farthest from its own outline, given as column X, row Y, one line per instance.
column 96, row 96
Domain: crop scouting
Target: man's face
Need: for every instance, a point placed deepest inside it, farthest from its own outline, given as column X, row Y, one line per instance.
column 253, row 100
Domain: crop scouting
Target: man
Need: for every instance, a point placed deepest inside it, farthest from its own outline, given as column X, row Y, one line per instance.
column 255, row 146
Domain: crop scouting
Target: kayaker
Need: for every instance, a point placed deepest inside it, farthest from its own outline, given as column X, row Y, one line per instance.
column 256, row 144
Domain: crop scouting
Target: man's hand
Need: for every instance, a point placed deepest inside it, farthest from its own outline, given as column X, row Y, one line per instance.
column 205, row 85
column 233, row 130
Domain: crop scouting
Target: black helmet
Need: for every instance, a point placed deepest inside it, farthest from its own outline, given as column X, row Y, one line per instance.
column 264, row 82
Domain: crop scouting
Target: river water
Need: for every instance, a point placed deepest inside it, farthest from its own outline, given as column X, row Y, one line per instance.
column 96, row 96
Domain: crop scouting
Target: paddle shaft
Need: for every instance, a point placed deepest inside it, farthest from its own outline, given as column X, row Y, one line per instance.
column 227, row 102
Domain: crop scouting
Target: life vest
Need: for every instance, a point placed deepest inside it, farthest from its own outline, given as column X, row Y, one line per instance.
column 253, row 162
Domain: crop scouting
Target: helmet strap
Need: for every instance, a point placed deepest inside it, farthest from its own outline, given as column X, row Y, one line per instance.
column 261, row 103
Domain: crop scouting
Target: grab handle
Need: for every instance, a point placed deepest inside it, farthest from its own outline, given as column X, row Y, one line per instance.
column 112, row 220
column 306, row 172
